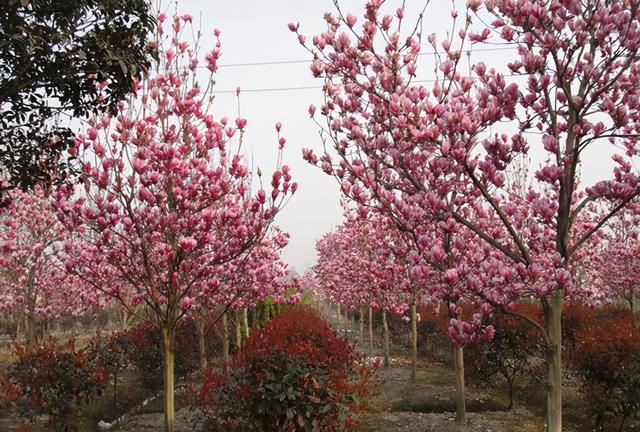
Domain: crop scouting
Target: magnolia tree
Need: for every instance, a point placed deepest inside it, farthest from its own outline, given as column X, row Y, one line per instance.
column 33, row 282
column 256, row 275
column 618, row 260
column 376, row 274
column 434, row 261
column 443, row 152
column 167, row 199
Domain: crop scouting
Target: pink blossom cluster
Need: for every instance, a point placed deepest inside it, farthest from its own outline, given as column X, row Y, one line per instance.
column 170, row 215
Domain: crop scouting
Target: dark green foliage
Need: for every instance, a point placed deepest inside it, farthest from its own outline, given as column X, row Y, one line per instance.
column 52, row 56
column 112, row 355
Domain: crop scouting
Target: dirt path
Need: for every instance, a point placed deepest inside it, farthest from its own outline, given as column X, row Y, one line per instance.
column 428, row 406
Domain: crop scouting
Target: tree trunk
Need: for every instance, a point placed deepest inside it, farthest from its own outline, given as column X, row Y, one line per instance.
column 201, row 340
column 245, row 322
column 362, row 309
column 510, row 383
column 346, row 322
column 19, row 326
column 225, row 343
column 385, row 330
column 115, row 389
column 338, row 316
column 553, row 318
column 168, row 342
column 458, row 364
column 30, row 329
column 370, row 331
column 124, row 319
column 270, row 312
column 254, row 318
column 238, row 331
column 98, row 327
column 414, row 343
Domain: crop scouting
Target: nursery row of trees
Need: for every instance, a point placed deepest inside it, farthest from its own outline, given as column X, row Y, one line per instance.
column 168, row 220
column 439, row 207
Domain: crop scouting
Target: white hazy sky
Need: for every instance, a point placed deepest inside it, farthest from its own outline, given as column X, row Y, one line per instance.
column 256, row 31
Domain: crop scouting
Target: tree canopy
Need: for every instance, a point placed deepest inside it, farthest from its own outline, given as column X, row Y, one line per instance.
column 60, row 59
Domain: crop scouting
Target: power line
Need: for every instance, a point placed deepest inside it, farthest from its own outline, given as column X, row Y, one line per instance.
column 302, row 88
column 286, row 89
column 284, row 62
column 261, row 63
column 271, row 89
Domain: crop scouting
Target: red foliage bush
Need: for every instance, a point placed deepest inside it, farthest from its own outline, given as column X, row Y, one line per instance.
column 606, row 356
column 9, row 393
column 55, row 379
column 293, row 374
column 433, row 330
column 301, row 333
column 143, row 347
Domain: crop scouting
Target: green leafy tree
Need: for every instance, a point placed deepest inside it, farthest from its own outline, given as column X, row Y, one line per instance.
column 55, row 57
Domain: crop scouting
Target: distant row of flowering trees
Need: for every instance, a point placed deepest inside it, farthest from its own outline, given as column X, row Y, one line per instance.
column 438, row 161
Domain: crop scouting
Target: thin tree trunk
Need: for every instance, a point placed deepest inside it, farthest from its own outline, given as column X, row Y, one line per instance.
column 30, row 329
column 362, row 309
column 254, row 318
column 115, row 389
column 338, row 316
column 370, row 331
column 347, row 323
column 19, row 327
column 98, row 327
column 458, row 364
column 414, row 343
column 124, row 319
column 200, row 325
column 385, row 330
column 168, row 341
column 510, row 382
column 225, row 342
column 245, row 322
column 553, row 318
column 622, row 422
column 238, row 331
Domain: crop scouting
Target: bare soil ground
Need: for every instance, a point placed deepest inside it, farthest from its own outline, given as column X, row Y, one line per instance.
column 429, row 405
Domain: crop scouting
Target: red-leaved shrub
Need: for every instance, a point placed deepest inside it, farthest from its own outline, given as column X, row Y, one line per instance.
column 143, row 347
column 55, row 379
column 606, row 356
column 293, row 374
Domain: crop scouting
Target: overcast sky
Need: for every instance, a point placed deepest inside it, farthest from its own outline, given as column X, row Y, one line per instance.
column 256, row 31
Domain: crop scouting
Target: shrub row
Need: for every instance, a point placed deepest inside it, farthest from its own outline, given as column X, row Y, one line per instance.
column 57, row 379
column 601, row 348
